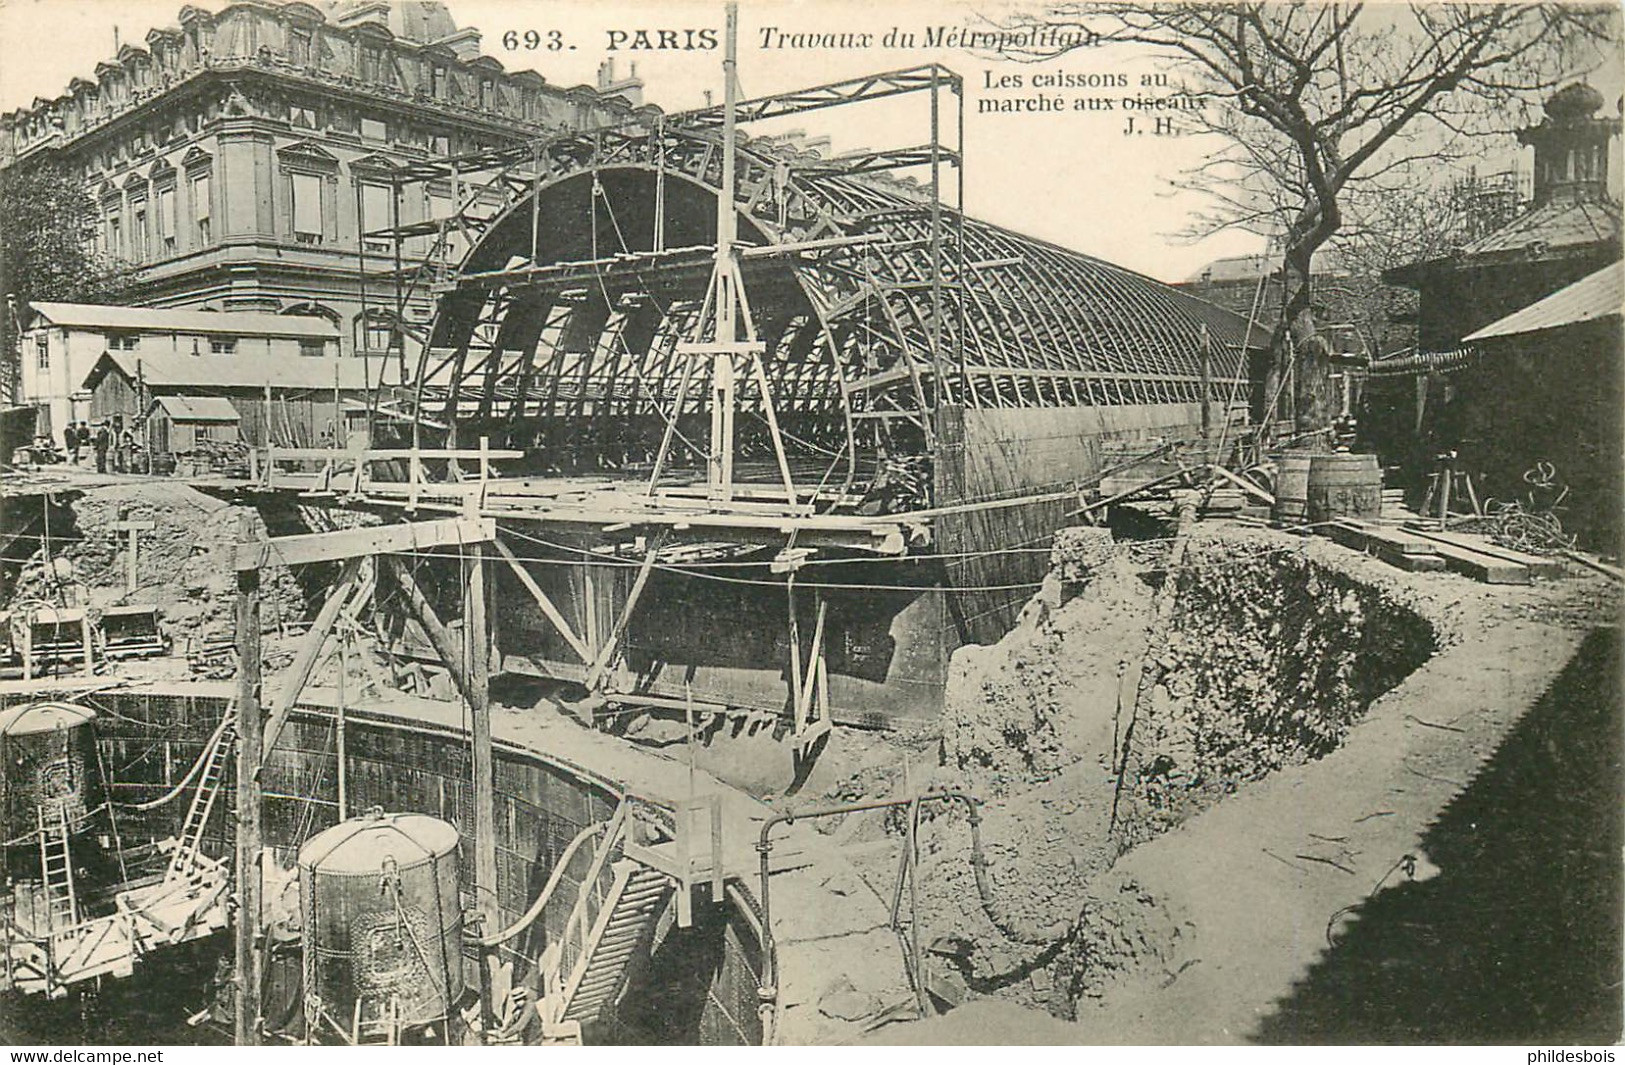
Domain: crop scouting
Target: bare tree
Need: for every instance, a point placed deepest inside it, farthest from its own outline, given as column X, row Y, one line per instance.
column 1321, row 103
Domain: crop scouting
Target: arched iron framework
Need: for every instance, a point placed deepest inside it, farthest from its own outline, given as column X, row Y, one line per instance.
column 878, row 305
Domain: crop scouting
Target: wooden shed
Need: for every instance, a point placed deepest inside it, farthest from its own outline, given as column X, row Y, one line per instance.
column 183, row 424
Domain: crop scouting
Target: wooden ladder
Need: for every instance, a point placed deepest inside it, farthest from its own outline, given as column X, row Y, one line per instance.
column 183, row 861
column 56, row 869
column 612, row 923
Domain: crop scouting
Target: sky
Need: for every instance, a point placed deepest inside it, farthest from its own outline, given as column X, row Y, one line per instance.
column 1074, row 178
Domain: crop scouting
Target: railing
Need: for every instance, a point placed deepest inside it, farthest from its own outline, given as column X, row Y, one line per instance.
column 349, row 470
column 563, row 957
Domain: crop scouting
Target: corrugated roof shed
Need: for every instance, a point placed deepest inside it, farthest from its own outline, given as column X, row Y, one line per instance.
column 1589, row 299
column 158, row 320
column 232, row 372
column 197, row 408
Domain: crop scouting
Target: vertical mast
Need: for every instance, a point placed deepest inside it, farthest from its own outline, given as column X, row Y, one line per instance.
column 725, row 279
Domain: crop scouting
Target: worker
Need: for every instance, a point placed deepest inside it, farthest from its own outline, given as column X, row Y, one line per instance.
column 104, row 439
column 70, row 441
column 127, row 446
column 121, row 455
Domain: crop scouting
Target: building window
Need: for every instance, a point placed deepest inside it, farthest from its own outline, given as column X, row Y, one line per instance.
column 374, row 129
column 42, row 351
column 299, row 47
column 375, row 215
column 223, row 345
column 375, row 332
column 200, row 208
column 138, row 235
column 442, row 145
column 123, row 341
column 166, row 219
column 374, row 67
column 488, row 94
column 115, row 236
column 307, row 209
column 437, row 82
column 301, row 117
column 312, row 347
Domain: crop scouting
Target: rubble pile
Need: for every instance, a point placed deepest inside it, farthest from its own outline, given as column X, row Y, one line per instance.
column 184, row 562
column 1269, row 661
column 1044, row 697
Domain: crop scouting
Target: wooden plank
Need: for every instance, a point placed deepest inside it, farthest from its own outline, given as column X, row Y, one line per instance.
column 374, row 540
column 1411, row 562
column 1539, row 565
column 310, row 647
column 542, row 600
column 1482, row 567
column 1245, row 485
column 1398, row 549
column 607, row 652
column 1597, row 564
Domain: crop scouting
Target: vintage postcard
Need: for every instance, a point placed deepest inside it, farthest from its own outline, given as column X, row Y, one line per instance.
column 825, row 523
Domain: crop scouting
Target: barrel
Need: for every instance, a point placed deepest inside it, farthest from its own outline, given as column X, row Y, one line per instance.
column 1344, row 485
column 1291, row 487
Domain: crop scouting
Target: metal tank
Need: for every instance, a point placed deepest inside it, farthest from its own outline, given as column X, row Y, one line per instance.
column 48, row 763
column 382, row 920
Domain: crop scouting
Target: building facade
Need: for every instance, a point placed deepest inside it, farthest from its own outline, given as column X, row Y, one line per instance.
column 238, row 159
column 63, row 342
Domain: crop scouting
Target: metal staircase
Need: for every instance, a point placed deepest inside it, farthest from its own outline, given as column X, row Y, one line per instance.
column 611, row 925
column 183, row 860
column 56, row 867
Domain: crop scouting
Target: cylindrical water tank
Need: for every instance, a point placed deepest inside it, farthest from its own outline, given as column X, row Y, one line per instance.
column 382, row 920
column 47, row 762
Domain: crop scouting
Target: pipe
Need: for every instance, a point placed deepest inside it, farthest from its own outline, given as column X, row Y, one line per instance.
column 546, row 895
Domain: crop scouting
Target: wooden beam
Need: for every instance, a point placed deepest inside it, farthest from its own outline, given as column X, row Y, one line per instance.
column 1241, row 482
column 476, row 643
column 249, row 828
column 373, row 540
column 542, row 600
column 607, row 652
column 309, row 653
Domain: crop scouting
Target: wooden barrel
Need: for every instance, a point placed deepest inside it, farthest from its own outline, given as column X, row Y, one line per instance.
column 1344, row 485
column 1291, row 487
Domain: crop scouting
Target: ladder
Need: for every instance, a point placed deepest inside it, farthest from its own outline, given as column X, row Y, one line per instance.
column 56, row 868
column 611, row 925
column 183, row 861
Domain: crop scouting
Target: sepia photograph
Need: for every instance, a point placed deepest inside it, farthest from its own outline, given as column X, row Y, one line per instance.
column 696, row 523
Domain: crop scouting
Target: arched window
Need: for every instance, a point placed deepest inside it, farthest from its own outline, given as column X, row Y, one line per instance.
column 314, row 310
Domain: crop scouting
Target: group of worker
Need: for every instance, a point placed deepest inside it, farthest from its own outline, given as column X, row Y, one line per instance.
column 111, row 439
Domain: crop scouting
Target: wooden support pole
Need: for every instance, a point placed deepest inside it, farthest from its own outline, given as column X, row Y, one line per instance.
column 473, row 683
column 249, row 828
column 478, row 650
column 340, row 755
column 309, row 653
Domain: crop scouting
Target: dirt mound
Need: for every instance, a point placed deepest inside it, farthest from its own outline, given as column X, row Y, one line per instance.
column 1045, row 697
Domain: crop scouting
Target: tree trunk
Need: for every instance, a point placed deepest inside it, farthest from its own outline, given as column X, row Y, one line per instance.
column 1313, row 406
